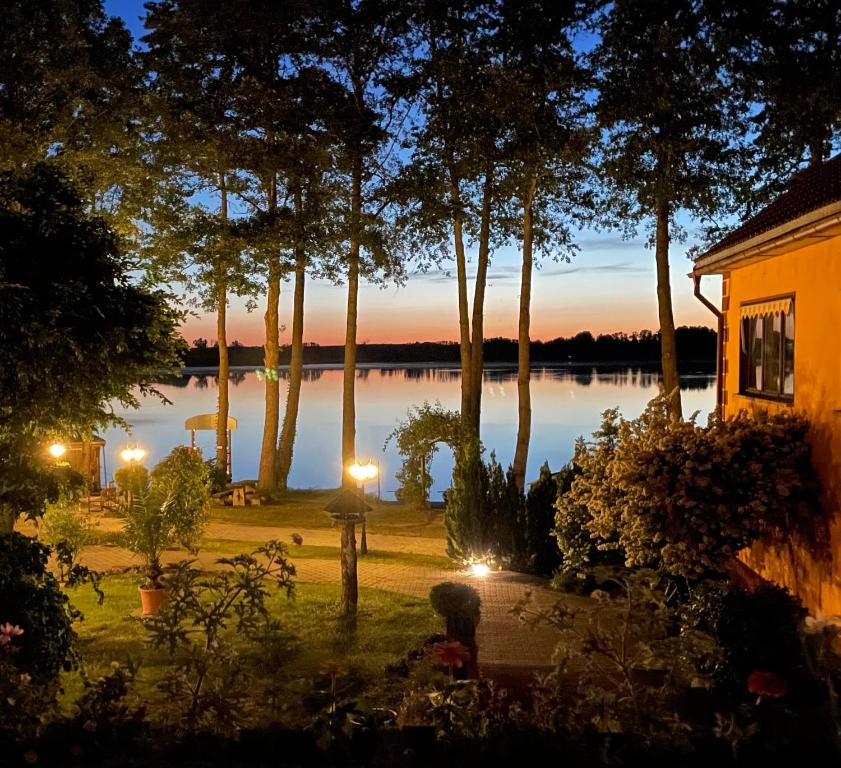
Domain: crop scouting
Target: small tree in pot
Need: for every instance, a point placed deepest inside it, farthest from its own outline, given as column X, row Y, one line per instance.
column 459, row 605
column 171, row 507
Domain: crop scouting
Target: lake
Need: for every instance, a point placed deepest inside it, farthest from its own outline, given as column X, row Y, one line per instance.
column 566, row 402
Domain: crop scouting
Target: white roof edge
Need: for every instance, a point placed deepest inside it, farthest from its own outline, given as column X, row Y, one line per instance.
column 808, row 223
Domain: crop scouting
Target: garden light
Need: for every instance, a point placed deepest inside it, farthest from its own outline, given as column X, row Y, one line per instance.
column 362, row 472
column 480, row 569
column 57, row 450
column 129, row 455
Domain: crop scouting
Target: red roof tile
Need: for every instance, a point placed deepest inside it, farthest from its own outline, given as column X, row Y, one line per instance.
column 809, row 190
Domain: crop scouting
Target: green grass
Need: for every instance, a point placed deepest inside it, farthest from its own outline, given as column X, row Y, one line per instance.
column 305, row 509
column 309, row 552
column 389, row 626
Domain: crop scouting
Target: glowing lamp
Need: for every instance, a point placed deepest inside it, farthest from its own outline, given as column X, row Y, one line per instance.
column 362, row 472
column 129, row 455
column 57, row 450
column 480, row 569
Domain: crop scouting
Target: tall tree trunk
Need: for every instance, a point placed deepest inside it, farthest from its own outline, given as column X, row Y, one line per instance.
column 521, row 452
column 477, row 348
column 671, row 382
column 222, row 343
column 266, row 481
column 349, row 379
column 296, row 369
column 463, row 309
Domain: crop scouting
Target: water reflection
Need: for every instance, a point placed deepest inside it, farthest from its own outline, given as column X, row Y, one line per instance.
column 566, row 403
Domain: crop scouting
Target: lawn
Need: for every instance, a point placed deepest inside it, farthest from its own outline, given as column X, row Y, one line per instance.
column 389, row 626
column 305, row 509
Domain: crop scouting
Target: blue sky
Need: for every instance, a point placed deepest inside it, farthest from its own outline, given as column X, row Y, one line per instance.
column 609, row 286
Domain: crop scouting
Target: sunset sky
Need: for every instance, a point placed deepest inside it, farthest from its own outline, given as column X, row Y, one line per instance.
column 610, row 286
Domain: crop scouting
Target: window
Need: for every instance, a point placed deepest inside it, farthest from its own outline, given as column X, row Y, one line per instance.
column 766, row 366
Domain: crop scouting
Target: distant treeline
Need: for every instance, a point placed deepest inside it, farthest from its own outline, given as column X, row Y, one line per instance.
column 695, row 344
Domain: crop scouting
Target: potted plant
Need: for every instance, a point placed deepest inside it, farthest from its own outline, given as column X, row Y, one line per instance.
column 148, row 532
column 170, row 507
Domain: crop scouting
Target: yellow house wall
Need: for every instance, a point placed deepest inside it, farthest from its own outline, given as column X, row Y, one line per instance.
column 813, row 275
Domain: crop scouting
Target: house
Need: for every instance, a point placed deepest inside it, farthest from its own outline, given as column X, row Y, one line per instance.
column 780, row 347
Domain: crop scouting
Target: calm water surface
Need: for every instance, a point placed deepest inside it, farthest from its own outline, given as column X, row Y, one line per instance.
column 566, row 403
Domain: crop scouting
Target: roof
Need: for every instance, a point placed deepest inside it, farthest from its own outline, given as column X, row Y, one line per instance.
column 811, row 196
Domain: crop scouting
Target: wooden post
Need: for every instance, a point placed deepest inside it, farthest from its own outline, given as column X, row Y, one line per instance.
column 350, row 580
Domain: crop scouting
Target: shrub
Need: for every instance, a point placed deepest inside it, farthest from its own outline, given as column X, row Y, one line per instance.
column 588, row 494
column 208, row 685
column 541, row 553
column 184, row 479
column 465, row 516
column 30, row 598
column 674, row 495
column 132, row 479
column 459, row 605
column 219, row 477
column 65, row 523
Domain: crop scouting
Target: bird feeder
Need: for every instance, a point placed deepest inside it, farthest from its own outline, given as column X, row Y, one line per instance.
column 347, row 507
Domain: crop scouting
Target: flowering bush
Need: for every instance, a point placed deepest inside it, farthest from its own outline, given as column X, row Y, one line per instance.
column 674, row 495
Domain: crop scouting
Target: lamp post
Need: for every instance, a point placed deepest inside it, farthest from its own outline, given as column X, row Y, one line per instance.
column 361, row 473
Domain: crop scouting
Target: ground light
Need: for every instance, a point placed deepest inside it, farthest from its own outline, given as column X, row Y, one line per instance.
column 480, row 569
column 57, row 450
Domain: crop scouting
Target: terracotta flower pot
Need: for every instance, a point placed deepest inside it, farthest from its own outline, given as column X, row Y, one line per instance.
column 152, row 600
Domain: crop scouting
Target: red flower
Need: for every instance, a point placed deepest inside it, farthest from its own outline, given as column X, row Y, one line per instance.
column 451, row 654
column 768, row 684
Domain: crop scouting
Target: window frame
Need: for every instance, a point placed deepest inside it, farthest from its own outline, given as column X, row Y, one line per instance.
column 745, row 357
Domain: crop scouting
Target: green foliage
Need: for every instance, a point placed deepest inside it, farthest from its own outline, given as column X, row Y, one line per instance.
column 684, row 498
column 541, row 554
column 171, row 507
column 760, row 629
column 65, row 522
column 219, row 477
column 621, row 667
column 587, row 492
column 208, row 683
column 184, row 478
column 30, row 597
column 418, row 439
column 465, row 516
column 75, row 330
column 132, row 479
column 453, row 600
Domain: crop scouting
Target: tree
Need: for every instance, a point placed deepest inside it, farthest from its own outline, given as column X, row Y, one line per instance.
column 311, row 223
column 785, row 57
column 362, row 40
column 75, row 331
column 196, row 151
column 452, row 181
column 547, row 141
column 673, row 129
column 72, row 91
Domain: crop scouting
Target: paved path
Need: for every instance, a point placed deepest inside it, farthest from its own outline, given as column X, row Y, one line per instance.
column 504, row 642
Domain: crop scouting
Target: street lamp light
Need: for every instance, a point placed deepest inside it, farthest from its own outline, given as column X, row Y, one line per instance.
column 130, row 455
column 57, row 450
column 362, row 473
